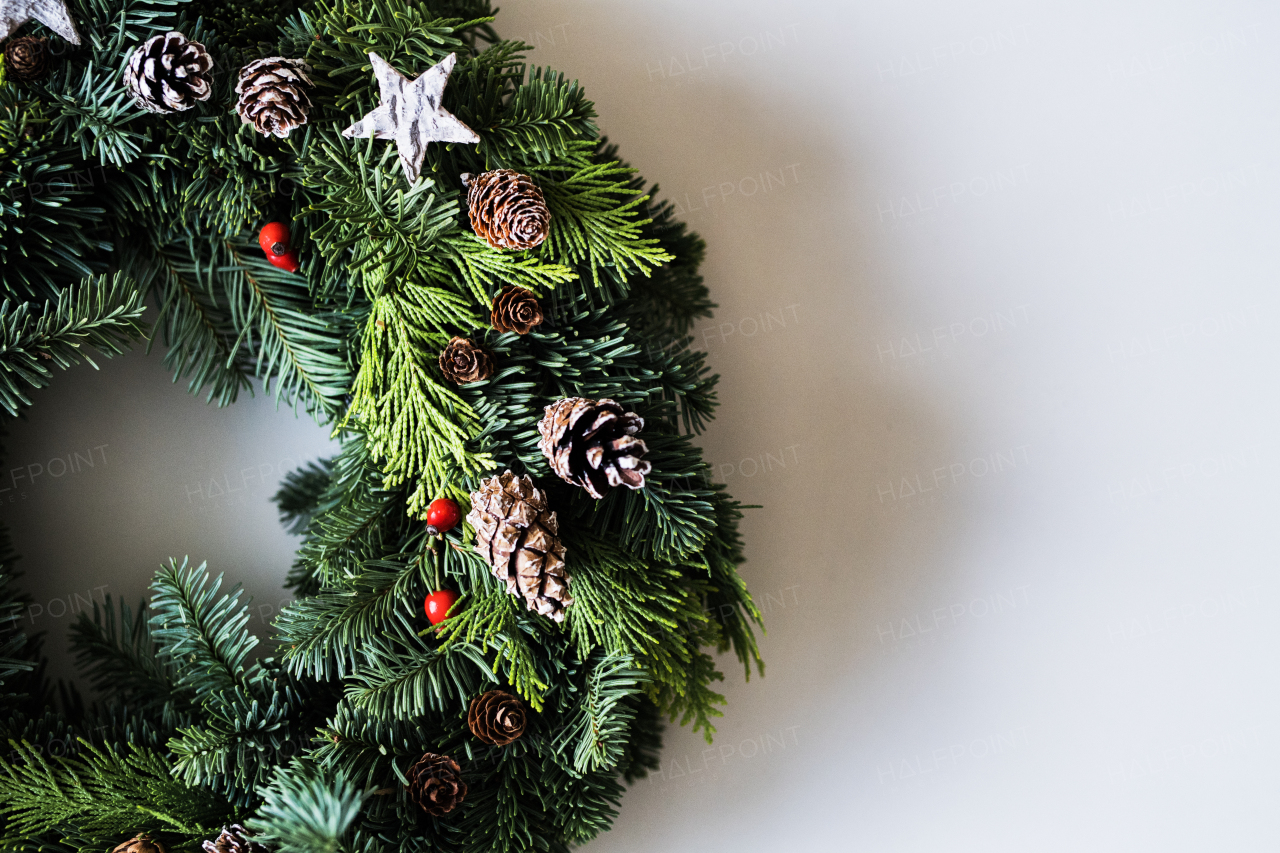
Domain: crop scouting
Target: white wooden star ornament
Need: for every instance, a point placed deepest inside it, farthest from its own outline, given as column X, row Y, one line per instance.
column 410, row 113
column 52, row 13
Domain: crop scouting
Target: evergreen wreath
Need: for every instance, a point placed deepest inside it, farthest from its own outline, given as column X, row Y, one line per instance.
column 369, row 728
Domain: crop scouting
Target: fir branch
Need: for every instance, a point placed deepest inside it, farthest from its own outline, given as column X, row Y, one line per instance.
column 300, row 493
column 599, row 726
column 295, row 344
column 208, row 636
column 101, row 314
column 119, row 655
column 305, row 811
column 403, row 679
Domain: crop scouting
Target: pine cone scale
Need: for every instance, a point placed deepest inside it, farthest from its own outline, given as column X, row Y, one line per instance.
column 273, row 95
column 593, row 445
column 167, row 73
column 519, row 538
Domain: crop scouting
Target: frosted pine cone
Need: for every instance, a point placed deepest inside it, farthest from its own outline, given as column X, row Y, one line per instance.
column 233, row 839
column 593, row 445
column 507, row 209
column 273, row 95
column 520, row 540
column 167, row 73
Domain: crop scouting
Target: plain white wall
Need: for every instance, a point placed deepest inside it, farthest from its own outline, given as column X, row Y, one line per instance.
column 996, row 336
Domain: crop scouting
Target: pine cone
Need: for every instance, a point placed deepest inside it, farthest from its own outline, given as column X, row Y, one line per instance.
column 507, row 209
column 167, row 73
column 463, row 362
column 496, row 718
column 516, row 310
column 273, row 95
column 27, row 58
column 143, row 843
column 435, row 784
column 233, row 839
column 593, row 445
column 520, row 540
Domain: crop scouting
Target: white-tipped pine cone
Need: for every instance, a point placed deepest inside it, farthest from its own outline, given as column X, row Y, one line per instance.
column 168, row 74
column 273, row 95
column 593, row 445
column 520, row 540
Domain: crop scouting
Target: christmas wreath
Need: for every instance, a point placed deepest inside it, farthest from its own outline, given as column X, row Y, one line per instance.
column 515, row 567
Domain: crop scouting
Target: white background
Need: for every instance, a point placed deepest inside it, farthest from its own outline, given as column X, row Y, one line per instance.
column 997, row 341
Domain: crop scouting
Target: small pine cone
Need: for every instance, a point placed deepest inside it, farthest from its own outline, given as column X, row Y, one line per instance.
column 27, row 59
column 496, row 718
column 516, row 310
column 168, row 74
column 507, row 209
column 233, row 839
column 435, row 784
column 273, row 95
column 142, row 843
column 520, row 540
column 463, row 362
column 593, row 444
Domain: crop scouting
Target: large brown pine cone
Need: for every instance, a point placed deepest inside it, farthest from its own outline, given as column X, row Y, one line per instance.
column 27, row 58
column 593, row 445
column 515, row 310
column 167, row 73
column 519, row 538
column 507, row 209
column 496, row 717
column 142, row 843
column 273, row 95
column 435, row 784
column 233, row 839
column 463, row 362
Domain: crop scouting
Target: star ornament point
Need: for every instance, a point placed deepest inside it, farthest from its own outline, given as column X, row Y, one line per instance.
column 52, row 13
column 411, row 113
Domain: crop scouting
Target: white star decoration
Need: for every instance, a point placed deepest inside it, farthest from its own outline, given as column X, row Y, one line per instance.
column 52, row 13
column 410, row 113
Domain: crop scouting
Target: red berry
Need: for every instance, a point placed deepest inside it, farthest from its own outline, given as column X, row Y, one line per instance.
column 442, row 515
column 287, row 262
column 438, row 603
column 274, row 238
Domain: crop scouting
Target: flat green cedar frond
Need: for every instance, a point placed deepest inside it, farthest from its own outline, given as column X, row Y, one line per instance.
column 191, row 625
column 414, row 423
column 104, row 793
column 102, row 314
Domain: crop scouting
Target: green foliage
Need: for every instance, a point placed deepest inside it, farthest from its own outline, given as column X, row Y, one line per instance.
column 100, row 795
column 311, row 749
column 101, row 314
column 304, row 811
column 51, row 230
